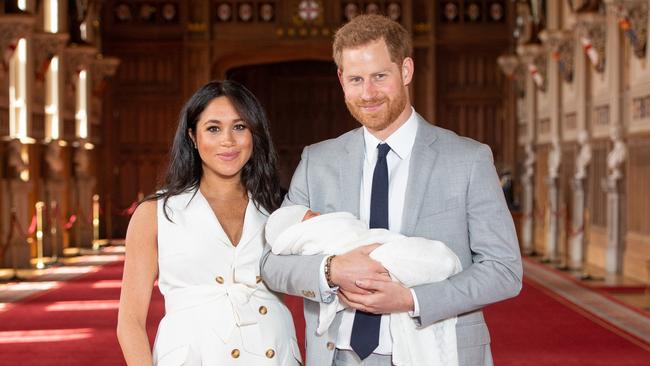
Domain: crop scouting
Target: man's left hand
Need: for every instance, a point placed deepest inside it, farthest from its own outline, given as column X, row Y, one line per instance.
column 386, row 297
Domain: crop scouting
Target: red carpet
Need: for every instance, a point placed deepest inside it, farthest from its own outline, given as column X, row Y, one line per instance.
column 75, row 325
column 71, row 325
column 537, row 328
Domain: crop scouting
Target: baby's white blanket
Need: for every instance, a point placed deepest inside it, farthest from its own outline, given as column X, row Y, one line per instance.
column 411, row 261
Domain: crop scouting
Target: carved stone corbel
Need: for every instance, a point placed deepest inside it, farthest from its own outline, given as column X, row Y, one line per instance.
column 46, row 46
column 591, row 28
column 101, row 69
column 12, row 28
column 75, row 59
column 561, row 44
column 508, row 64
column 633, row 20
column 534, row 56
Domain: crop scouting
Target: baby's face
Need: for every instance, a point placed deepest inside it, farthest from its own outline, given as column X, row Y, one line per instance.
column 310, row 214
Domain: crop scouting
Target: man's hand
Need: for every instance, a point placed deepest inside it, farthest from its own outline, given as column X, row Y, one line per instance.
column 385, row 297
column 353, row 265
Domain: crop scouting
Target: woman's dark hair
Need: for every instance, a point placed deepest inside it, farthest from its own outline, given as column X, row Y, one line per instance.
column 259, row 175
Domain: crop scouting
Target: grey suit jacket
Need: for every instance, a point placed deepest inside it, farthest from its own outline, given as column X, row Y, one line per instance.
column 453, row 195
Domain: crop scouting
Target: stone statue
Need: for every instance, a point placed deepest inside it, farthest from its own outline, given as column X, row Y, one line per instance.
column 617, row 155
column 17, row 163
column 584, row 155
column 529, row 162
column 53, row 159
column 554, row 158
column 82, row 163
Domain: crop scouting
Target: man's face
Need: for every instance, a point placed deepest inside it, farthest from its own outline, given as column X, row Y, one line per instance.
column 375, row 87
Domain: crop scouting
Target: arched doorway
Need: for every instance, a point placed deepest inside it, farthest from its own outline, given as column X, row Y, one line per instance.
column 304, row 103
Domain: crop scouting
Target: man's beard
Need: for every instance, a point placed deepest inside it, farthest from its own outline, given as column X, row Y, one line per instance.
column 381, row 119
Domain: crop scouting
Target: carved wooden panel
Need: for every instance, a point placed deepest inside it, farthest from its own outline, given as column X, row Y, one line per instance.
column 638, row 186
column 4, row 121
column 597, row 201
column 470, row 93
column 304, row 103
column 540, row 204
column 148, row 68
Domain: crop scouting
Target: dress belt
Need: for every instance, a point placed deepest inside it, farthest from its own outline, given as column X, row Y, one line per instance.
column 238, row 295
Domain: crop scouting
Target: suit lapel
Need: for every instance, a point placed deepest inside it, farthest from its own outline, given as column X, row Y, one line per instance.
column 421, row 165
column 350, row 172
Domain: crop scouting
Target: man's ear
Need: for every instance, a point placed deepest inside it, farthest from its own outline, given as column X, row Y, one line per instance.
column 339, row 73
column 407, row 70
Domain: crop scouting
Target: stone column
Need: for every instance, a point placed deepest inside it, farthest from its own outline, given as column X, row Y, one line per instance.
column 532, row 57
column 54, row 188
column 527, row 232
column 18, row 188
column 18, row 185
column 84, row 190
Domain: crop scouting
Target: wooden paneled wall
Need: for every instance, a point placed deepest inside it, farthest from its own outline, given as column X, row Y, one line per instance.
column 565, row 206
column 471, row 92
column 638, row 185
column 142, row 122
column 304, row 103
column 597, row 201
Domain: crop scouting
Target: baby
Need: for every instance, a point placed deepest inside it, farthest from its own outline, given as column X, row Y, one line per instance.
column 412, row 261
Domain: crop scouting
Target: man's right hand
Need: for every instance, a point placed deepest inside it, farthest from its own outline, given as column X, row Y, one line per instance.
column 356, row 264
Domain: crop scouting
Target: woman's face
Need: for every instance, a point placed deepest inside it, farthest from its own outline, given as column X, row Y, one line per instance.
column 223, row 139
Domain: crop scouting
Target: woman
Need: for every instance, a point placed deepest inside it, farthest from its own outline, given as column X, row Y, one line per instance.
column 202, row 233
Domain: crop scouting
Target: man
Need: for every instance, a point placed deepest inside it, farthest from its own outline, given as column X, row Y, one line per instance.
column 398, row 172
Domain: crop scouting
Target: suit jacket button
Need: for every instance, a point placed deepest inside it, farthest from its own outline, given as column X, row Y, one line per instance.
column 263, row 310
column 306, row 293
column 270, row 353
column 235, row 353
column 330, row 346
column 219, row 279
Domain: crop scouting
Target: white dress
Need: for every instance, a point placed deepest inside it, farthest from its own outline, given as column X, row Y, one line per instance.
column 217, row 309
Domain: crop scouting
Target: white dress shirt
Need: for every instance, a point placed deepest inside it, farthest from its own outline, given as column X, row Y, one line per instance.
column 398, row 160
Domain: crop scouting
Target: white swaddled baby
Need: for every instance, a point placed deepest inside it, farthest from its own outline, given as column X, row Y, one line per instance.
column 296, row 230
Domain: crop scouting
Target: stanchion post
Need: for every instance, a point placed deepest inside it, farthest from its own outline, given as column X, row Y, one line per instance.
column 54, row 222
column 40, row 264
column 96, row 222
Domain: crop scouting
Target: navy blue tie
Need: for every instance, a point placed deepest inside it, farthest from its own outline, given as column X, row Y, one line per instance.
column 365, row 328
